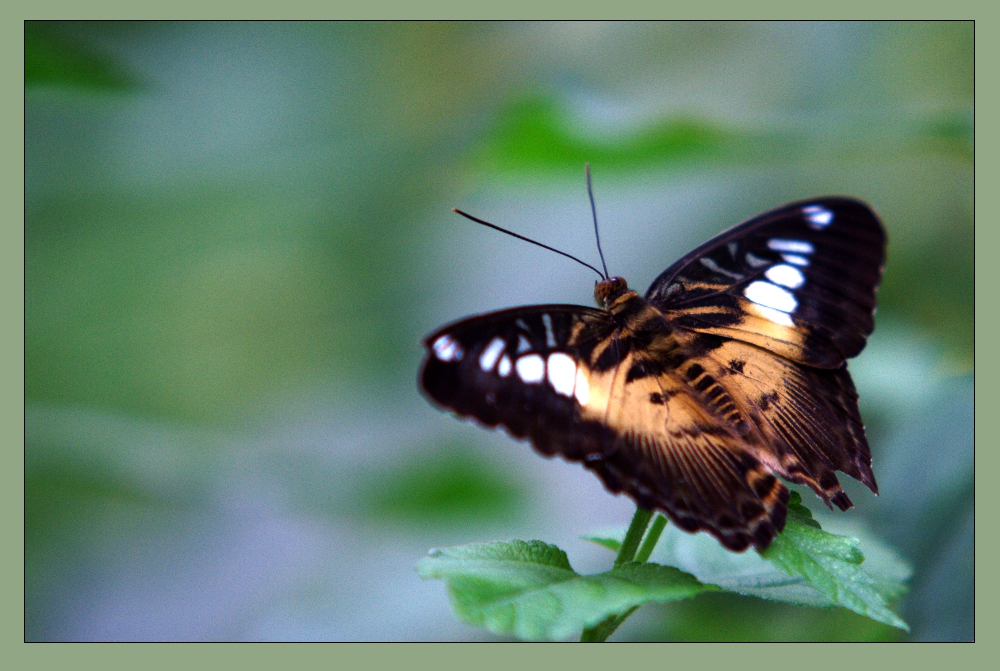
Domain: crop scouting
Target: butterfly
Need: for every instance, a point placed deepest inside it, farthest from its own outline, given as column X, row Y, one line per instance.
column 730, row 372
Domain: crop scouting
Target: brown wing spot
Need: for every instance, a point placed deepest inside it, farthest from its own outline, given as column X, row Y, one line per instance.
column 661, row 397
column 718, row 397
column 736, row 367
column 751, row 509
column 688, row 524
column 762, row 485
column 766, row 400
column 727, row 522
column 706, row 382
column 693, row 371
column 714, row 393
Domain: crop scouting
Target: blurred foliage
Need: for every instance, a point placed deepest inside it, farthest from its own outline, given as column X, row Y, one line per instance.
column 61, row 494
column 53, row 58
column 534, row 134
column 451, row 484
column 953, row 133
column 727, row 617
column 934, row 286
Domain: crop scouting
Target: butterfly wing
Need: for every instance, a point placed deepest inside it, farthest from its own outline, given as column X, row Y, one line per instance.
column 670, row 450
column 799, row 281
column 518, row 368
column 802, row 422
column 792, row 295
column 570, row 379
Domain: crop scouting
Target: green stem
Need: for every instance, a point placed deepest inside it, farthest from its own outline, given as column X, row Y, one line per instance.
column 659, row 524
column 626, row 553
column 633, row 536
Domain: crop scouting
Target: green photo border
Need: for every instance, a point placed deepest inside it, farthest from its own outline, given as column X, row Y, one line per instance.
column 495, row 656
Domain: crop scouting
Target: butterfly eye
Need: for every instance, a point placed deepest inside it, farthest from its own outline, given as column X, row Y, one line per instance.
column 608, row 290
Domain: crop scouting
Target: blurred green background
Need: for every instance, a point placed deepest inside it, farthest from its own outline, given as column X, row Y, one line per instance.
column 237, row 234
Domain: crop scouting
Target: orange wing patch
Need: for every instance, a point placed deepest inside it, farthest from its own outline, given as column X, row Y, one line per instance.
column 805, row 421
column 672, row 453
column 761, row 326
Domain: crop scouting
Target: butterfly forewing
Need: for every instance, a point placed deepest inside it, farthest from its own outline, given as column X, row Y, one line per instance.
column 799, row 281
column 524, row 368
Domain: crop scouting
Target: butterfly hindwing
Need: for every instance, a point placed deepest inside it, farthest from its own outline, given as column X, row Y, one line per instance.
column 672, row 452
column 803, row 422
column 799, row 280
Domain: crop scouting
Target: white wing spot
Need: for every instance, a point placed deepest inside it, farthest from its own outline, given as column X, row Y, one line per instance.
column 733, row 247
column 770, row 296
column 582, row 388
column 446, row 349
column 490, row 355
column 774, row 315
column 530, row 368
column 521, row 325
column 550, row 338
column 523, row 344
column 786, row 276
column 672, row 289
column 755, row 261
column 795, row 259
column 793, row 246
column 716, row 268
column 561, row 373
column 819, row 217
column 504, row 368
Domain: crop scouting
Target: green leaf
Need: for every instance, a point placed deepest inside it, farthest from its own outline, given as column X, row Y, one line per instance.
column 606, row 538
column 536, row 134
column 529, row 590
column 879, row 579
column 831, row 564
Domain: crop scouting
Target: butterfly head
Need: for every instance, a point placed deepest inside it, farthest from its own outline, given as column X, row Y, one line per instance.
column 606, row 292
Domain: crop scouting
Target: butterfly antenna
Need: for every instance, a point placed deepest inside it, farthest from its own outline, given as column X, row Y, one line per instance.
column 593, row 211
column 521, row 237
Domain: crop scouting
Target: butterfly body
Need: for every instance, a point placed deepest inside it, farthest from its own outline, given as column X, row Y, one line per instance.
column 730, row 371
